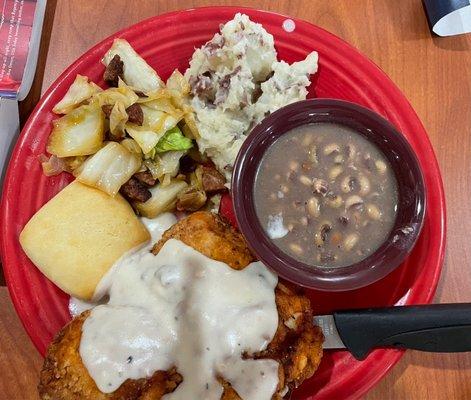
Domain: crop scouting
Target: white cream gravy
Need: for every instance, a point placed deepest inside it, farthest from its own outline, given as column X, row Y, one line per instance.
column 156, row 228
column 180, row 308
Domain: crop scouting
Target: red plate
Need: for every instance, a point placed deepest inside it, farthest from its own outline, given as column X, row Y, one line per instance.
column 167, row 42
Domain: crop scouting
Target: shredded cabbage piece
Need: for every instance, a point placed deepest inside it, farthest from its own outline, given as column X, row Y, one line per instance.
column 137, row 73
column 146, row 138
column 163, row 199
column 109, row 168
column 118, row 119
column 78, row 133
column 78, row 92
column 174, row 100
column 123, row 93
column 179, row 89
column 52, row 165
column 165, row 164
column 189, row 128
column 178, row 84
column 191, row 200
column 131, row 145
column 163, row 104
column 160, row 121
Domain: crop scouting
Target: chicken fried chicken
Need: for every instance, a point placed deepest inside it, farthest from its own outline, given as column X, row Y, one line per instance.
column 297, row 344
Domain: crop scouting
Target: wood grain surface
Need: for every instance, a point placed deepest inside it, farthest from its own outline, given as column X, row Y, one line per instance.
column 19, row 360
column 435, row 75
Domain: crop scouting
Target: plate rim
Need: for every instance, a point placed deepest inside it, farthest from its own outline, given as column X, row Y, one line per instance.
column 393, row 355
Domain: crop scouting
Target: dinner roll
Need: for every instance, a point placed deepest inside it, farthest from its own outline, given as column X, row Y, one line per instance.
column 76, row 237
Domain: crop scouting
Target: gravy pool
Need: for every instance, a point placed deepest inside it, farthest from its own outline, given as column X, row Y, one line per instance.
column 326, row 195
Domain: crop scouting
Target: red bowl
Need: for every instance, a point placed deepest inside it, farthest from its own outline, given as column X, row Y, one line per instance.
column 411, row 188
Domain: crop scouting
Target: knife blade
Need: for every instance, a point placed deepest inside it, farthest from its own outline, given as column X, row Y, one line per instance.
column 329, row 329
column 434, row 328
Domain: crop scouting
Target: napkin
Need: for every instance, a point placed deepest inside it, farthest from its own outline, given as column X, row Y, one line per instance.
column 448, row 17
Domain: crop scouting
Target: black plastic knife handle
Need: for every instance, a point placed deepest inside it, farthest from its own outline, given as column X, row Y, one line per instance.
column 437, row 328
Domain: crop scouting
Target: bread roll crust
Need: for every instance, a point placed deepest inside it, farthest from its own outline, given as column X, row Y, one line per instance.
column 76, row 237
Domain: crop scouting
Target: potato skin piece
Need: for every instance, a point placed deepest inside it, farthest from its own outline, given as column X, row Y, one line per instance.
column 297, row 344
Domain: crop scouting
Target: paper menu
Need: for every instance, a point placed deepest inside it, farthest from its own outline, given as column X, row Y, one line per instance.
column 20, row 33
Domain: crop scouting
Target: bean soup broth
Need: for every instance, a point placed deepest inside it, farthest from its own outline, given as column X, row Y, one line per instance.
column 326, row 195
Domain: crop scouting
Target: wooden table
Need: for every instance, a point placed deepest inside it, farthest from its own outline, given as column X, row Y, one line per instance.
column 435, row 75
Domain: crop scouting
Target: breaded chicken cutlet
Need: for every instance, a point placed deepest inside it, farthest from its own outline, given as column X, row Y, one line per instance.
column 297, row 344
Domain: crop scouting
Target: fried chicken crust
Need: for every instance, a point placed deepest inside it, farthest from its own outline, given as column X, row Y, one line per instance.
column 297, row 344
column 212, row 236
column 64, row 376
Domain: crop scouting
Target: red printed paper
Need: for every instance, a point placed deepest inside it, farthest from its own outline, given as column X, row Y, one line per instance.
column 16, row 21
